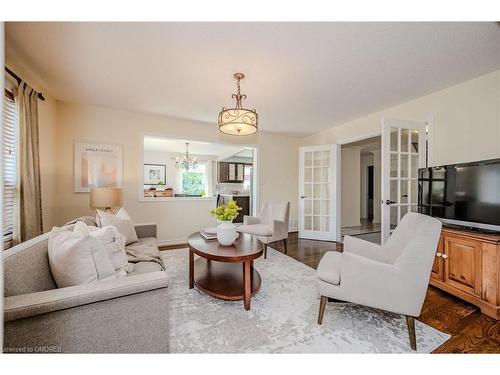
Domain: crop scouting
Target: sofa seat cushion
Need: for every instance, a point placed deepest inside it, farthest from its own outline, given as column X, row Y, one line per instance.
column 144, row 250
column 144, row 267
column 329, row 267
column 263, row 230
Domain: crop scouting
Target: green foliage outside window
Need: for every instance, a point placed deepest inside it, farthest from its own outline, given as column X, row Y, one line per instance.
column 192, row 183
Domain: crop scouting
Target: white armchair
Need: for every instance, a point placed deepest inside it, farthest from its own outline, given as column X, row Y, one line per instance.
column 271, row 225
column 392, row 277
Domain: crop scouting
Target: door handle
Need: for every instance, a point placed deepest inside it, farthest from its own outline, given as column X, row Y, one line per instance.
column 303, row 196
column 444, row 256
column 439, row 254
column 388, row 202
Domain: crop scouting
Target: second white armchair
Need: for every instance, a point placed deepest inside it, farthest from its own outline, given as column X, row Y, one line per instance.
column 392, row 277
column 271, row 225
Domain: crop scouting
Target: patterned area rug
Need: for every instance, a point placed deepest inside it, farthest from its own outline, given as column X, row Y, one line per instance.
column 283, row 317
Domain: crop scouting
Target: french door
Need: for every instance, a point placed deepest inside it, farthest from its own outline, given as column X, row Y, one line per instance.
column 318, row 206
column 403, row 152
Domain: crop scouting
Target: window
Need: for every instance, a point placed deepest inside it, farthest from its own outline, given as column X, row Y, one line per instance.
column 247, row 177
column 10, row 134
column 194, row 181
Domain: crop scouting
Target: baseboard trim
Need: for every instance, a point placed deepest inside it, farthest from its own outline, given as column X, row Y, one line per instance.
column 169, row 244
column 173, row 247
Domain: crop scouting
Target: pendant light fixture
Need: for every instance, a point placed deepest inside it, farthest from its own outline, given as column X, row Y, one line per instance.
column 186, row 162
column 238, row 120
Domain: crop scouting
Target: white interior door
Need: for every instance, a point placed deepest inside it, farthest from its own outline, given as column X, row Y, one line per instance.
column 403, row 152
column 318, row 201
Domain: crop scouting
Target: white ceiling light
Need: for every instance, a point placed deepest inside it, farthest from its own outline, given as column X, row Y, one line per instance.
column 238, row 120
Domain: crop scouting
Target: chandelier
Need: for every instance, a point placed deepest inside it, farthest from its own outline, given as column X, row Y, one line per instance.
column 238, row 120
column 186, row 162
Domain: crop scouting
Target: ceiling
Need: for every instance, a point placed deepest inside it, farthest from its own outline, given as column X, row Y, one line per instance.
column 301, row 77
column 195, row 147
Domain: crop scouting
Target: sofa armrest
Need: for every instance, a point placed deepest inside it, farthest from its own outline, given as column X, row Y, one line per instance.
column 250, row 220
column 145, row 230
column 28, row 305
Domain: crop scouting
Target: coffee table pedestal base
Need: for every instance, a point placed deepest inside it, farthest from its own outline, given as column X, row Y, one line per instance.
column 225, row 280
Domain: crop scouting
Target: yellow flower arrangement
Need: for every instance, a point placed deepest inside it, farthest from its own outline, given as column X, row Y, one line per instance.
column 226, row 212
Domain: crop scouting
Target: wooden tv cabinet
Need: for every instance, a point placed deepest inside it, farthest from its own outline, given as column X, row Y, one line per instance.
column 467, row 265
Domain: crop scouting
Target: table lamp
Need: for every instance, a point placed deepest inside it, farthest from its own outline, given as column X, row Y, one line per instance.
column 105, row 197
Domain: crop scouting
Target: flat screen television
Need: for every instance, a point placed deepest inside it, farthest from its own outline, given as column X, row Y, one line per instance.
column 466, row 194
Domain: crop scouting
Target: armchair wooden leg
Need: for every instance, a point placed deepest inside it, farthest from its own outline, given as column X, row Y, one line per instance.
column 265, row 250
column 284, row 244
column 322, row 305
column 410, row 322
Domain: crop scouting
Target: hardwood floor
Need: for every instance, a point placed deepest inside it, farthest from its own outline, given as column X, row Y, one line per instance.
column 471, row 331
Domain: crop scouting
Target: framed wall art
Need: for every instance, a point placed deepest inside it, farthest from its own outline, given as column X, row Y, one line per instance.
column 97, row 165
column 155, row 174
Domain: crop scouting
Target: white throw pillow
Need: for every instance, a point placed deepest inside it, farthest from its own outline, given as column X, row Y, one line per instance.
column 77, row 259
column 113, row 242
column 121, row 221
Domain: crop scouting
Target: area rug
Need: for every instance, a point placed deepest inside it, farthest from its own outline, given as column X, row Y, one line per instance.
column 283, row 317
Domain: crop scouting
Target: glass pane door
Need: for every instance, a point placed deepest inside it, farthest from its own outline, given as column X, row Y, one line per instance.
column 403, row 152
column 316, row 204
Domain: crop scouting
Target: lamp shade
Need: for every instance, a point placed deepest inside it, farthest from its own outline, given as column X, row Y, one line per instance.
column 238, row 121
column 105, row 197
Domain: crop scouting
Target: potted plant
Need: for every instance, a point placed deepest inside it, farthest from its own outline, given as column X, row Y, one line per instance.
column 226, row 230
column 160, row 186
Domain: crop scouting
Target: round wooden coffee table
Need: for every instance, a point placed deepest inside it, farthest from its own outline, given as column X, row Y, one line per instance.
column 225, row 272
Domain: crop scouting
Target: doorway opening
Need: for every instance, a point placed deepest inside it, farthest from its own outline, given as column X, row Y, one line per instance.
column 361, row 189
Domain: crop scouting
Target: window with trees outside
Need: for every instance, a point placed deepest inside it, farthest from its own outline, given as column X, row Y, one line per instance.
column 194, row 181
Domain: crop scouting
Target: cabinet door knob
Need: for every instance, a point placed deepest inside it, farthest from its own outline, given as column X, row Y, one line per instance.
column 444, row 256
column 439, row 254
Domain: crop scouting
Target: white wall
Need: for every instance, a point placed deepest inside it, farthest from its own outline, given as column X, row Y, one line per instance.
column 278, row 158
column 350, row 186
column 466, row 124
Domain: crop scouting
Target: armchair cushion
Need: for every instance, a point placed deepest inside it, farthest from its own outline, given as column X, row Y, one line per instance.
column 329, row 267
column 250, row 220
column 262, row 230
